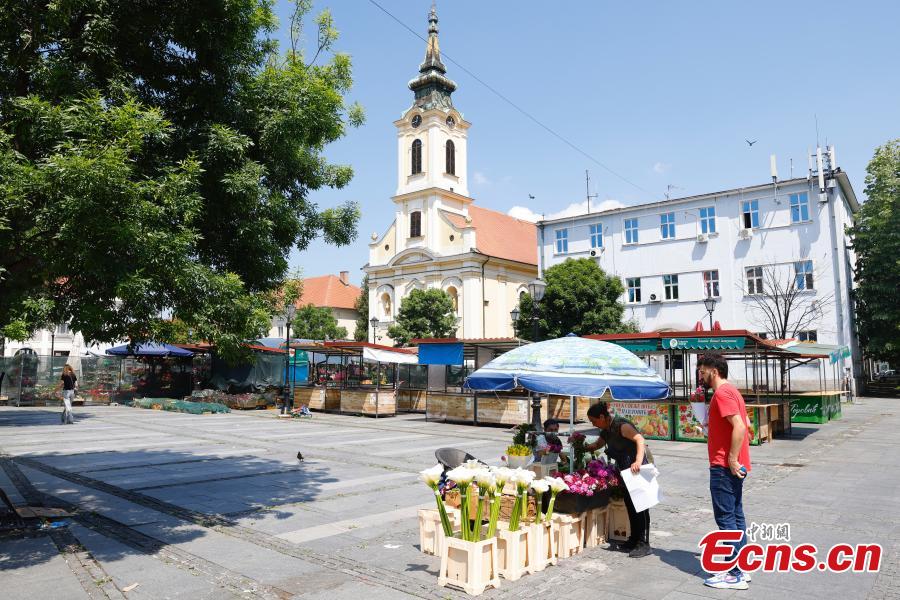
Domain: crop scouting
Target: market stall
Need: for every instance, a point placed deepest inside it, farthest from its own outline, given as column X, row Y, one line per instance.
column 449, row 361
column 352, row 377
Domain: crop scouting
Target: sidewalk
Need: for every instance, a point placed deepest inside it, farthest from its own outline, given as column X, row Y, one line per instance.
column 218, row 506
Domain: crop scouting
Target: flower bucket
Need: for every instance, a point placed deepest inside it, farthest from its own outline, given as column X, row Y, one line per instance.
column 569, row 534
column 469, row 566
column 516, row 462
column 513, row 552
column 567, row 502
column 542, row 546
column 595, row 527
column 619, row 526
column 431, row 533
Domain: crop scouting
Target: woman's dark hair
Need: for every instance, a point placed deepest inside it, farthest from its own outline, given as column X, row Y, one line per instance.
column 714, row 361
column 550, row 422
column 601, row 409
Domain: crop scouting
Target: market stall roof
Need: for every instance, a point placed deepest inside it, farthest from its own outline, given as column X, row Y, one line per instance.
column 150, row 349
column 814, row 349
column 454, row 351
column 206, row 348
column 739, row 340
column 373, row 352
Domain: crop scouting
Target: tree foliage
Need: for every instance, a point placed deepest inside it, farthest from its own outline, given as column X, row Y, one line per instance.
column 877, row 244
column 424, row 314
column 317, row 323
column 580, row 298
column 361, row 333
column 157, row 158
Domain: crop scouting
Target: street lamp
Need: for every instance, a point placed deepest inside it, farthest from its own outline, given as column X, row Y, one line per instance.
column 289, row 312
column 374, row 322
column 536, row 290
column 514, row 315
column 710, row 303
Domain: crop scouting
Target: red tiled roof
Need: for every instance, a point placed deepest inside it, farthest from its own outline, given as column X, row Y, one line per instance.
column 499, row 235
column 328, row 291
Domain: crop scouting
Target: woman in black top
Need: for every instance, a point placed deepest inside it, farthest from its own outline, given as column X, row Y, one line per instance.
column 627, row 447
column 69, row 382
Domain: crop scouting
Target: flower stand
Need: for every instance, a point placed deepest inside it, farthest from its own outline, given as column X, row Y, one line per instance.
column 469, row 566
column 514, row 552
column 542, row 546
column 619, row 525
column 431, row 532
column 595, row 527
column 569, row 534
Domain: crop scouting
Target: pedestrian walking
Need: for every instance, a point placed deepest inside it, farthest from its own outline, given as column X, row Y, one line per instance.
column 69, row 383
column 729, row 461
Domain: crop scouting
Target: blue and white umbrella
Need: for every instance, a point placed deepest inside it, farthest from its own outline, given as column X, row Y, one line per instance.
column 571, row 366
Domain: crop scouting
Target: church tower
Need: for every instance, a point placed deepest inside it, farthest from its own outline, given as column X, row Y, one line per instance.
column 431, row 134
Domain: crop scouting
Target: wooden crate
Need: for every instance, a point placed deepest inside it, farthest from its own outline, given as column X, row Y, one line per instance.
column 569, row 534
column 542, row 546
column 595, row 527
column 619, row 526
column 499, row 410
column 312, row 397
column 411, row 400
column 470, row 566
column 368, row 402
column 513, row 552
column 332, row 399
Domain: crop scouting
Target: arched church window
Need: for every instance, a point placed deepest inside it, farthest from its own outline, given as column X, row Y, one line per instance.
column 451, row 157
column 416, row 157
column 415, row 224
column 454, row 298
column 386, row 304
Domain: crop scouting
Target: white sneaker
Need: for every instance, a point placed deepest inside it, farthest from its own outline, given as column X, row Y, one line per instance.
column 726, row 581
column 745, row 577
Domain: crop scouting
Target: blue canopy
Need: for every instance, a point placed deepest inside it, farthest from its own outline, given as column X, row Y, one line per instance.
column 571, row 366
column 441, row 354
column 150, row 349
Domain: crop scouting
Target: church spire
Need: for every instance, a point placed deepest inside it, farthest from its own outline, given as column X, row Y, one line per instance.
column 432, row 87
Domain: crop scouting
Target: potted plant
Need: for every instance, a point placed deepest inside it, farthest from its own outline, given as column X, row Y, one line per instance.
column 469, row 562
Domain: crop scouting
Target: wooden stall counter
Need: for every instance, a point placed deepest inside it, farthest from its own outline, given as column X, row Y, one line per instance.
column 373, row 403
column 502, row 410
column 411, row 400
column 450, row 406
column 312, row 397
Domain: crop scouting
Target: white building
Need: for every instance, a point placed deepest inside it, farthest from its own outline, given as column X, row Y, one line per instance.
column 735, row 245
column 58, row 341
column 439, row 239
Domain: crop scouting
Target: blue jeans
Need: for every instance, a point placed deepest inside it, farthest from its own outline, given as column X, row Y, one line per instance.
column 728, row 508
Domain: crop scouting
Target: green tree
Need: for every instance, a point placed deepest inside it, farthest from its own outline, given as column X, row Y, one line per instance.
column 317, row 323
column 424, row 314
column 580, row 298
column 361, row 333
column 877, row 245
column 157, row 158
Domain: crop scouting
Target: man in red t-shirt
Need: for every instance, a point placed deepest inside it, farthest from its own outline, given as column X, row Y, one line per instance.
column 729, row 459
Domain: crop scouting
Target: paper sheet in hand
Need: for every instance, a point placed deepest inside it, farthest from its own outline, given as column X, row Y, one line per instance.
column 643, row 487
column 701, row 410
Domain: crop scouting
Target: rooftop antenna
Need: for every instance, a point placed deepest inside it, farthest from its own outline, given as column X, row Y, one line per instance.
column 773, row 168
column 792, row 168
column 669, row 188
column 587, row 189
column 816, row 117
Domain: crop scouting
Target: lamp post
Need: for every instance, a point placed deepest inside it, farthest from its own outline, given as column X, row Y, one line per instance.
column 710, row 303
column 374, row 322
column 289, row 312
column 536, row 290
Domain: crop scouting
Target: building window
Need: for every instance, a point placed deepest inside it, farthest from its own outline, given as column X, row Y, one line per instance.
column 631, row 231
column 754, row 281
column 808, row 336
column 708, row 219
column 562, row 241
column 711, row 284
column 451, row 157
column 63, row 329
column 667, row 225
column 596, row 235
column 799, row 207
column 633, row 284
column 750, row 214
column 281, row 331
column 677, row 362
column 670, row 283
column 415, row 224
column 416, row 157
column 803, row 275
column 763, row 335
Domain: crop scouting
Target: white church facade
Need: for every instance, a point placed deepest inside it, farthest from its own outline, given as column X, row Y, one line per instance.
column 439, row 238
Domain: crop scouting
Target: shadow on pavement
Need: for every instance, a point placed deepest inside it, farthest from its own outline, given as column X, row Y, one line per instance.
column 683, row 560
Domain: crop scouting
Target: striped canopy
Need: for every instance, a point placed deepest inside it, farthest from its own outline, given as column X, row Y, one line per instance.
column 571, row 366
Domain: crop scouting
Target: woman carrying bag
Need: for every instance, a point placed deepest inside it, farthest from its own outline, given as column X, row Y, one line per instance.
column 69, row 383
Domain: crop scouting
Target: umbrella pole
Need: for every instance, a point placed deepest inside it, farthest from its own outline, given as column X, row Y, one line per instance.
column 571, row 431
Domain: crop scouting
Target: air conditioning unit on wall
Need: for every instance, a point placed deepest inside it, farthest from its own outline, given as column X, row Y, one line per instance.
column 745, row 234
column 597, row 251
column 702, row 238
column 655, row 298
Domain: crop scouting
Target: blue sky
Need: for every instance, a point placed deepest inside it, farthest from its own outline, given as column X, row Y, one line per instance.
column 661, row 93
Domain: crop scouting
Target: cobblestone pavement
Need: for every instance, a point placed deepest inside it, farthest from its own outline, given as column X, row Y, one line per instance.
column 218, row 506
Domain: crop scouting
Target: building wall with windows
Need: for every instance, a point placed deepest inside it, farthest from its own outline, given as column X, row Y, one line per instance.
column 670, row 255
